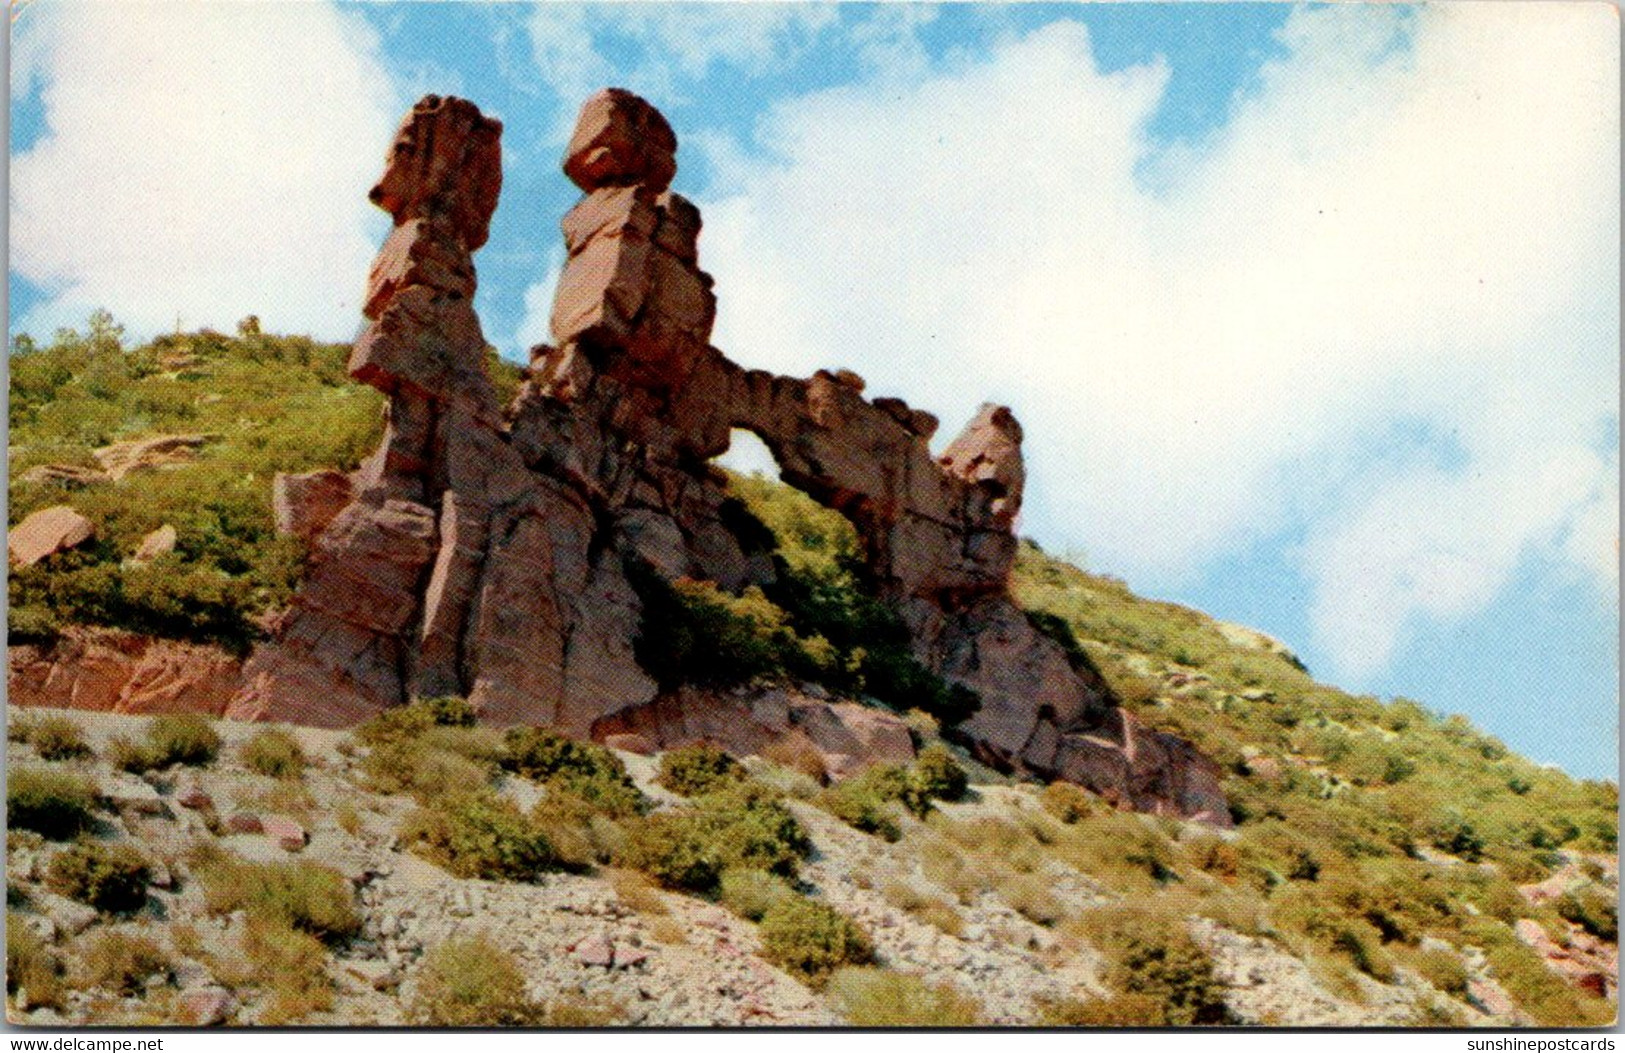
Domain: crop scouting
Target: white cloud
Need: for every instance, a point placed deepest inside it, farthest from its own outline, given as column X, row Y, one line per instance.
column 200, row 163
column 536, row 325
column 1376, row 309
column 676, row 44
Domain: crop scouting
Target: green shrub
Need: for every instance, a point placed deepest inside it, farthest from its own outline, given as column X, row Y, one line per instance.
column 1152, row 955
column 125, row 754
column 298, row 894
column 50, row 803
column 111, row 878
column 743, row 827
column 810, row 940
column 274, row 752
column 470, row 982
column 934, row 776
column 698, row 769
column 182, row 738
column 479, row 835
column 752, row 893
column 412, row 721
column 121, row 963
column 866, row 801
column 58, row 739
column 1443, row 970
column 695, row 633
column 584, row 769
column 288, row 966
column 1067, row 801
column 1030, row 896
column 1118, row 1010
column 1593, row 910
column 927, row 908
column 417, row 767
column 870, row 997
column 31, row 967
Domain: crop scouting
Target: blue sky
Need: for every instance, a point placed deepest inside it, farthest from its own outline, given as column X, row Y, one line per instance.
column 1310, row 312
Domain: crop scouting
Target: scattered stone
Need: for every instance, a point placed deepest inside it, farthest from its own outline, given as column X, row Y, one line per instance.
column 244, row 823
column 596, row 950
column 207, row 1006
column 191, row 795
column 122, row 458
column 625, row 957
column 160, row 542
column 287, row 833
column 130, row 794
column 47, row 532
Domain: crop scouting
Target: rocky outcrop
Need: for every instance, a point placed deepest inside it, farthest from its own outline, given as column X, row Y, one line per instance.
column 121, row 672
column 122, row 458
column 487, row 553
column 47, row 532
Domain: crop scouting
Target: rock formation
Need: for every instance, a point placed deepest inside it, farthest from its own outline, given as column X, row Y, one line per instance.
column 47, row 532
column 487, row 553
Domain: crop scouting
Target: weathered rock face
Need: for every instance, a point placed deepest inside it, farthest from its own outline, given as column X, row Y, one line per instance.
column 486, row 553
column 120, row 672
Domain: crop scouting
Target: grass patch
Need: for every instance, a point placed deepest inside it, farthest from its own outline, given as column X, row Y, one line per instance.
column 471, row 982
column 33, row 970
column 53, row 738
column 870, row 997
column 1153, row 956
column 300, row 895
column 121, row 963
column 180, row 738
column 111, row 878
column 810, row 940
column 752, row 893
column 53, row 804
column 480, row 835
column 274, row 752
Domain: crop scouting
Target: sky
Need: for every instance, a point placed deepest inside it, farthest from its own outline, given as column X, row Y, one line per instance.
column 1310, row 313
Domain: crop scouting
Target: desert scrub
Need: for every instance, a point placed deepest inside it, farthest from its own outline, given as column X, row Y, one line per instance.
column 1119, row 1010
column 111, row 878
column 1443, row 970
column 288, row 966
column 120, row 962
column 583, row 769
column 470, row 982
column 1153, row 955
column 868, row 801
column 414, row 766
column 51, row 803
column 581, row 833
column 935, row 776
column 32, row 968
column 300, row 895
column 53, row 738
column 479, row 835
column 1029, row 895
column 274, row 752
column 412, row 721
column 936, row 912
column 699, row 769
column 810, row 940
column 870, row 997
column 636, row 892
column 688, row 849
column 179, row 738
column 1593, row 910
column 752, row 893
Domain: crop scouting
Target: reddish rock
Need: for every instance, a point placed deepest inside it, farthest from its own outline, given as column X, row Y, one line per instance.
column 244, row 823
column 621, row 140
column 304, row 504
column 120, row 672
column 160, row 542
column 483, row 550
column 162, row 451
column 47, row 532
column 596, row 950
column 193, row 796
column 626, row 957
column 287, row 833
column 206, row 1006
column 639, row 744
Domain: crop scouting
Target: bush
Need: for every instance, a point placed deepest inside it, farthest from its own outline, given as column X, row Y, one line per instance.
column 480, row 835
column 810, row 940
column 469, row 982
column 57, row 739
column 290, row 966
column 31, row 967
column 752, row 893
column 1593, row 910
column 121, row 963
column 927, row 908
column 417, row 767
column 584, row 769
column 300, row 895
column 411, row 721
column 1155, row 957
column 182, row 738
column 865, row 801
column 698, row 769
column 111, row 878
column 1067, row 802
column 273, row 752
column 1444, row 971
column 53, row 804
column 1119, row 1010
column 870, row 997
column 743, row 827
column 935, row 776
column 1030, row 896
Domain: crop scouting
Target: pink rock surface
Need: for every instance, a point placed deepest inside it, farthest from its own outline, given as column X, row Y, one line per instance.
column 287, row 833
column 47, row 532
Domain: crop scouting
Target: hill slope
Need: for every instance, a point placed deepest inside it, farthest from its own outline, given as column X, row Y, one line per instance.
column 1377, row 844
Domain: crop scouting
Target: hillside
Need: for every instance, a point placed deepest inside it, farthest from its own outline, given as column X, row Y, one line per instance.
column 1389, row 865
